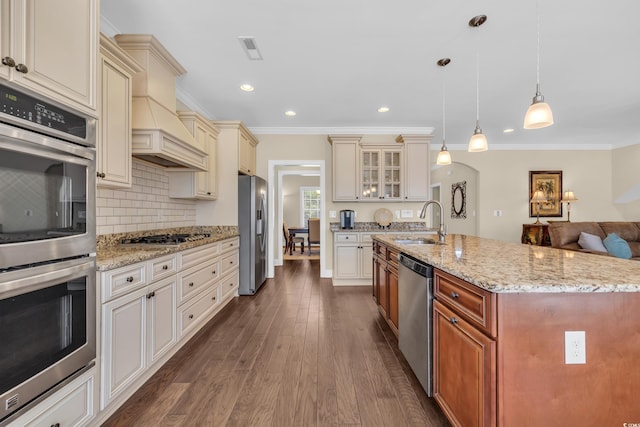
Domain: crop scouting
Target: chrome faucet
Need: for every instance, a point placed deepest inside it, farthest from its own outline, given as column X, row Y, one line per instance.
column 423, row 213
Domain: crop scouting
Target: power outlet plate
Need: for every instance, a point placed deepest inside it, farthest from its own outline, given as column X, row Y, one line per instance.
column 406, row 213
column 575, row 348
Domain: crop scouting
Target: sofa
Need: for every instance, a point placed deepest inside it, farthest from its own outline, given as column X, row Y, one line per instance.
column 565, row 235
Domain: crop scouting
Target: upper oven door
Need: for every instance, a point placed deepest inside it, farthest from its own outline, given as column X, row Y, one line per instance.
column 47, row 198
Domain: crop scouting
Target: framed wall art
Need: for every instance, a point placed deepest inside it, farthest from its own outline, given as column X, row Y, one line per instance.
column 550, row 183
column 459, row 200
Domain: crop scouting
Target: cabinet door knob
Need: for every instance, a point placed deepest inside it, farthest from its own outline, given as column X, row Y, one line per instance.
column 8, row 61
column 454, row 295
column 165, row 267
column 208, row 193
column 213, row 298
column 130, row 279
column 191, row 284
column 22, row 68
column 191, row 316
column 213, row 272
column 55, row 425
column 453, row 320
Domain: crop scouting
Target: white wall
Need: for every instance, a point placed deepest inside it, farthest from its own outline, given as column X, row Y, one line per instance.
column 503, row 184
column 291, row 196
column 626, row 182
column 446, row 176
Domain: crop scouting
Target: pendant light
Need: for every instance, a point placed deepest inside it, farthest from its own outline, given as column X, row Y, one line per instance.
column 539, row 114
column 478, row 141
column 444, row 157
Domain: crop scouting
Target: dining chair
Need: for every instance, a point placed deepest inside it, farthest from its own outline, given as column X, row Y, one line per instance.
column 314, row 232
column 291, row 241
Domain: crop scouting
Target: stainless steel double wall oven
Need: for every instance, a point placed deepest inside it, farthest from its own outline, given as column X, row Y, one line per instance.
column 47, row 247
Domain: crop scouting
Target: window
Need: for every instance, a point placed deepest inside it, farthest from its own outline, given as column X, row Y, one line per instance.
column 310, row 200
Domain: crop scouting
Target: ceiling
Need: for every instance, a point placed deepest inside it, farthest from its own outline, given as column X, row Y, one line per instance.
column 335, row 62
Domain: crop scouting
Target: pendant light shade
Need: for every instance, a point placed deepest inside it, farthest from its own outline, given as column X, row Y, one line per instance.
column 478, row 141
column 444, row 157
column 539, row 114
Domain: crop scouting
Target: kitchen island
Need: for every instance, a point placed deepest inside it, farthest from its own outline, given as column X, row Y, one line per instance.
column 501, row 314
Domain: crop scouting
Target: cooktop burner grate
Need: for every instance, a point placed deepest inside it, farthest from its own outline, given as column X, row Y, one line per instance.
column 165, row 239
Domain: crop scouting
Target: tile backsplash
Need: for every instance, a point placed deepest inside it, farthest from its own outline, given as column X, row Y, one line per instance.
column 146, row 206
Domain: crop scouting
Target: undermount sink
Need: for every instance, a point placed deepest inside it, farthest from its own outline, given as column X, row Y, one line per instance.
column 416, row 241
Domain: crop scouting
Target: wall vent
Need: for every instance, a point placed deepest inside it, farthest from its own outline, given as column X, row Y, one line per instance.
column 250, row 47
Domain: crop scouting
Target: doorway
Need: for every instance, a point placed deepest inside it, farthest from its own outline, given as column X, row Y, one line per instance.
column 278, row 170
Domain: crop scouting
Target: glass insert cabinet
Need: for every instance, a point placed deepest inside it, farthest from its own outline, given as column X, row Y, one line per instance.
column 380, row 174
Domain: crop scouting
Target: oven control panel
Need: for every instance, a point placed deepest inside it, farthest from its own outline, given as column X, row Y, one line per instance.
column 28, row 108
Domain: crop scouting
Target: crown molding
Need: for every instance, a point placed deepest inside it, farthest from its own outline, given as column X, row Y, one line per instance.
column 341, row 130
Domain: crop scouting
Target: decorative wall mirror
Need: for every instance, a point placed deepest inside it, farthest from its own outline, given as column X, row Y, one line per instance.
column 459, row 200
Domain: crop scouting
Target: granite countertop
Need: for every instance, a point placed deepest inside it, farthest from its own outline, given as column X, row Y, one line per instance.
column 114, row 255
column 505, row 267
column 394, row 227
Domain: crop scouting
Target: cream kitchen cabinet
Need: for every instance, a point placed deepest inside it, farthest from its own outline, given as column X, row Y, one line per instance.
column 416, row 170
column 53, row 57
column 380, row 173
column 191, row 184
column 243, row 143
column 72, row 405
column 346, row 161
column 116, row 69
column 137, row 328
column 352, row 258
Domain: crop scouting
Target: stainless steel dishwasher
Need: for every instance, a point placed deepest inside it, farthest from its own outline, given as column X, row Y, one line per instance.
column 415, row 310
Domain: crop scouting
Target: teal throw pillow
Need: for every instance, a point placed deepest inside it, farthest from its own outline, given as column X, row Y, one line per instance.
column 617, row 246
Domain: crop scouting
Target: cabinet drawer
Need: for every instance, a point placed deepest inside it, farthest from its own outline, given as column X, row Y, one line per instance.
column 191, row 314
column 475, row 305
column 193, row 280
column 346, row 237
column 71, row 406
column 162, row 267
column 229, row 285
column 228, row 245
column 122, row 280
column 229, row 262
column 199, row 255
column 392, row 257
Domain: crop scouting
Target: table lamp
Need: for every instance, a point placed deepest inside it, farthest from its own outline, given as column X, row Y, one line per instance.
column 538, row 197
column 567, row 198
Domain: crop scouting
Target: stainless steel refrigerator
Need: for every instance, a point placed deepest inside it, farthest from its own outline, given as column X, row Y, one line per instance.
column 252, row 223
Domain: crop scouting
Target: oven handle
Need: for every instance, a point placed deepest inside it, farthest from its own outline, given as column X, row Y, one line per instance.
column 32, row 279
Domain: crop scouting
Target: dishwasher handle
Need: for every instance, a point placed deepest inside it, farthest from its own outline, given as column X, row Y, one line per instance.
column 415, row 265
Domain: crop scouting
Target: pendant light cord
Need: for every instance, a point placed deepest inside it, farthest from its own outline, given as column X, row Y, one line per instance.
column 538, row 47
column 444, row 126
column 477, row 89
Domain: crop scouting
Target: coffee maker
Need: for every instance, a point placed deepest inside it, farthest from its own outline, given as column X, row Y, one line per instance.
column 347, row 219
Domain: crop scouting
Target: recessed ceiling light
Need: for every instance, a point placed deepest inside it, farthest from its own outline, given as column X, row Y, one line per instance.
column 383, row 109
column 290, row 113
column 508, row 130
column 247, row 87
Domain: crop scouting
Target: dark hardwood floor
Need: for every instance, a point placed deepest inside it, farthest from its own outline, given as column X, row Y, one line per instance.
column 299, row 353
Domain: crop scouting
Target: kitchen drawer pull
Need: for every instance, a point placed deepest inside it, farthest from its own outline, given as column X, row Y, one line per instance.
column 213, row 298
column 191, row 284
column 8, row 61
column 453, row 320
column 454, row 295
column 191, row 316
column 21, row 68
column 165, row 267
column 231, row 284
column 151, row 295
column 130, row 279
column 55, row 425
column 213, row 272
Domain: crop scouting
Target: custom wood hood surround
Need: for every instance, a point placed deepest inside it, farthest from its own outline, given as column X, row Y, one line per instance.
column 158, row 134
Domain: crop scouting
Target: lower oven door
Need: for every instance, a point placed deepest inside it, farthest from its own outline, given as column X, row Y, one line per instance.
column 48, row 332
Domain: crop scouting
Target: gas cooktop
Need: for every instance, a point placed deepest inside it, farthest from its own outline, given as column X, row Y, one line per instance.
column 165, row 239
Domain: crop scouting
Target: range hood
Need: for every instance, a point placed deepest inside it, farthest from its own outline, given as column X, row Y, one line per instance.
column 158, row 135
